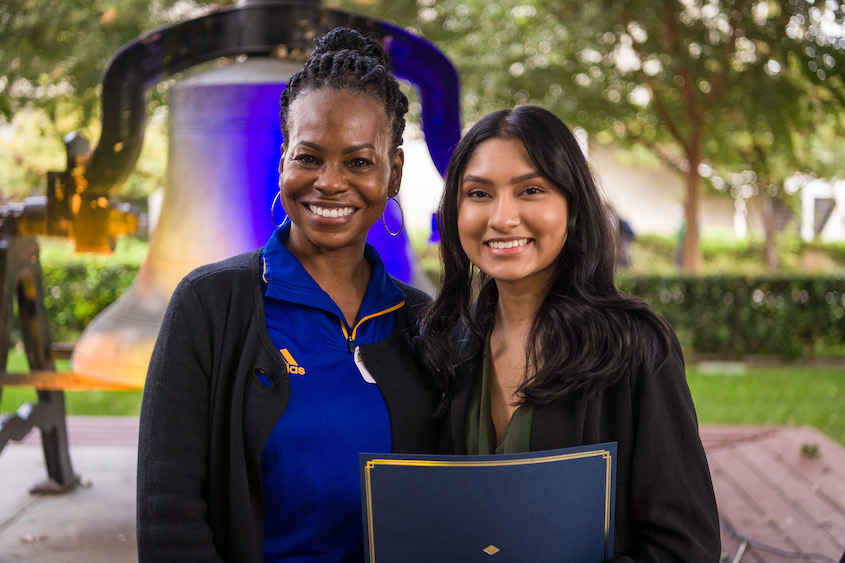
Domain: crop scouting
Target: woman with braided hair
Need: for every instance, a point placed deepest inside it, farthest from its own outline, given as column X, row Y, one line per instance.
column 274, row 369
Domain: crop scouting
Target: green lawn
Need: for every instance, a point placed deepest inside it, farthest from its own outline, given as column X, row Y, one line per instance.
column 116, row 403
column 77, row 402
column 790, row 395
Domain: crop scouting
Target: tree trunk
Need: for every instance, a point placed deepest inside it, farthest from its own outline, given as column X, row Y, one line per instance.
column 691, row 258
column 768, row 207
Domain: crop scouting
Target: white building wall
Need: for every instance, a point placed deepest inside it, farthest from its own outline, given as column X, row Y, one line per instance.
column 649, row 196
column 834, row 229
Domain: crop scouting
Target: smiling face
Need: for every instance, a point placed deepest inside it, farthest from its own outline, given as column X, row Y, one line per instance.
column 337, row 170
column 512, row 221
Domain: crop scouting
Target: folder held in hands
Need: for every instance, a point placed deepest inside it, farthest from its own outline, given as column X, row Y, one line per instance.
column 554, row 505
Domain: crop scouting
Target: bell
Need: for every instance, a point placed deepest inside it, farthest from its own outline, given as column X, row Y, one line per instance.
column 222, row 176
column 224, row 148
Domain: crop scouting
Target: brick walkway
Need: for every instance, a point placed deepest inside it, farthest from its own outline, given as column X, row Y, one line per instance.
column 780, row 490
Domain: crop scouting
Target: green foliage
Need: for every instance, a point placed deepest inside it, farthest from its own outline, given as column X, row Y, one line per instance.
column 78, row 287
column 738, row 87
column 727, row 254
column 643, row 72
column 836, row 250
column 810, row 451
column 657, row 243
column 52, row 58
column 736, row 309
column 742, row 93
column 724, row 241
column 53, row 54
column 427, row 254
column 31, row 146
column 732, row 316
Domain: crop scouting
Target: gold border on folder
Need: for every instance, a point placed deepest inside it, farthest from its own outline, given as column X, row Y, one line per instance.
column 371, row 464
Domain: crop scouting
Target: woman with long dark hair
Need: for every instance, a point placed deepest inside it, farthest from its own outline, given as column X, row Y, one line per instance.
column 535, row 348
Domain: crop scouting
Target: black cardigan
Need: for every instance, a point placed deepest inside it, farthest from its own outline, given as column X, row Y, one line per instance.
column 665, row 505
column 205, row 416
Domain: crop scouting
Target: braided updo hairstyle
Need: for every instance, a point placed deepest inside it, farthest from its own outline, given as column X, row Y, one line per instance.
column 345, row 60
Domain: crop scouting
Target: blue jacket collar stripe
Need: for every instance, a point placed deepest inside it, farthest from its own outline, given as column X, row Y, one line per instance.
column 288, row 280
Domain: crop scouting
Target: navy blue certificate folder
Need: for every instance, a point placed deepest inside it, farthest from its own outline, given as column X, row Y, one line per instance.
column 554, row 505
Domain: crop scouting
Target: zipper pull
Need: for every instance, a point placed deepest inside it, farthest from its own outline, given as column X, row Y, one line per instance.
column 350, row 336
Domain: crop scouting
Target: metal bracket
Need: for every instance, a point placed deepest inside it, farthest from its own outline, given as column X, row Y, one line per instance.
column 20, row 278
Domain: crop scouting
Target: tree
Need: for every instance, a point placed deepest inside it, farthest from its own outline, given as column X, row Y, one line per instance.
column 52, row 58
column 703, row 84
column 797, row 107
column 760, row 170
column 681, row 78
column 52, row 54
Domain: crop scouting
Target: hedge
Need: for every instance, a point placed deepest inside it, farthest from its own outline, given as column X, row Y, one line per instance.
column 78, row 286
column 727, row 316
column 732, row 316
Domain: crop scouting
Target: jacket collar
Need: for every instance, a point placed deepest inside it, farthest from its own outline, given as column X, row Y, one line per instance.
column 286, row 279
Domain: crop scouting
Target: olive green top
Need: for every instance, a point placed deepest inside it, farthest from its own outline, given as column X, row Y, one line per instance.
column 481, row 433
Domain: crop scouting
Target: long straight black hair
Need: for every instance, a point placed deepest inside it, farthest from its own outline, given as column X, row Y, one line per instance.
column 587, row 335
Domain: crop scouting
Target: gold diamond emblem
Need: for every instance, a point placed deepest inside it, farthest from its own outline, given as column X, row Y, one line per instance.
column 491, row 549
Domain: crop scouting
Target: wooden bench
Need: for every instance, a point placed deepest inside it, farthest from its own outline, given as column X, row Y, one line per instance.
column 48, row 415
column 20, row 281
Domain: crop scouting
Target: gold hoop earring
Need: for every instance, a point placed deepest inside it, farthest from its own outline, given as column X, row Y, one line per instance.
column 273, row 211
column 401, row 214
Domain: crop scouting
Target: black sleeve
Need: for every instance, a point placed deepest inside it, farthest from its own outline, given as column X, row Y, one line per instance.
column 672, row 504
column 173, row 440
